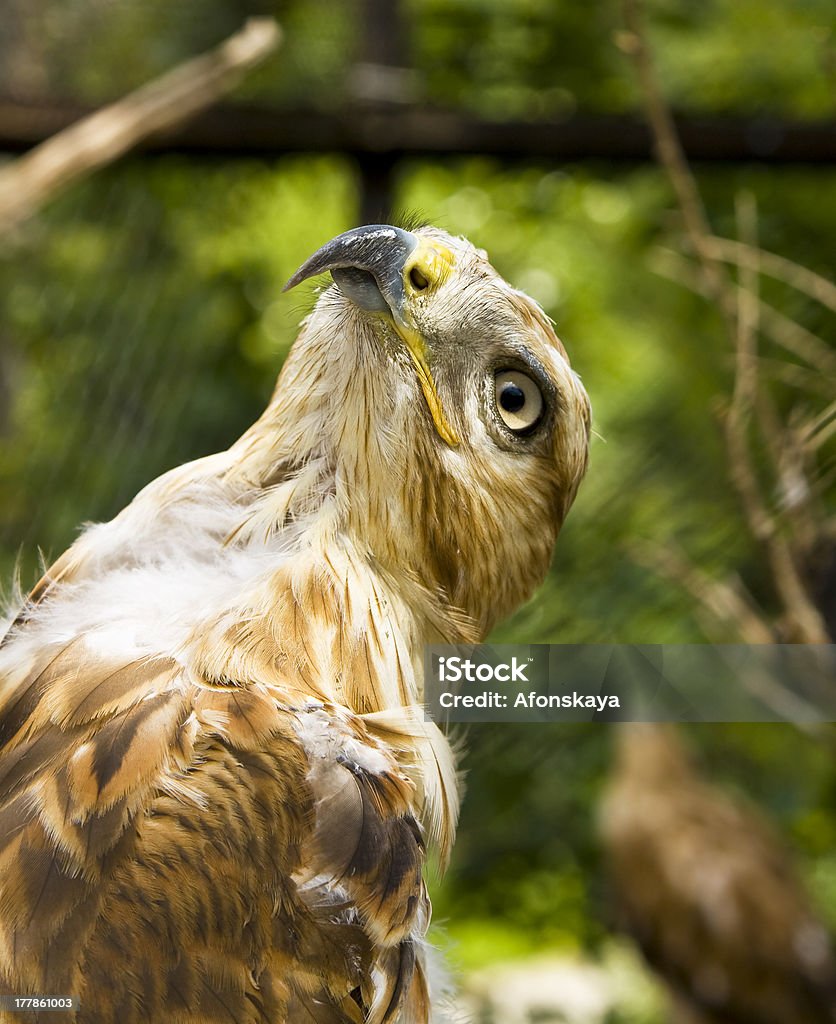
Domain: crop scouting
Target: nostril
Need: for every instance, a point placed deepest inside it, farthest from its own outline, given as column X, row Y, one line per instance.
column 417, row 280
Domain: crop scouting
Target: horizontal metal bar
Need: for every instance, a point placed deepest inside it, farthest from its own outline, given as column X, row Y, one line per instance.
column 374, row 130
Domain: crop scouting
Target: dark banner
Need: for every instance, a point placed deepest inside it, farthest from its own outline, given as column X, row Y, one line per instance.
column 631, row 683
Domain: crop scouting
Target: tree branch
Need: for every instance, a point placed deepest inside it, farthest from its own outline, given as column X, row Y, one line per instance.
column 820, row 428
column 736, row 422
column 738, row 306
column 777, row 267
column 779, row 328
column 102, row 137
column 727, row 602
column 672, row 158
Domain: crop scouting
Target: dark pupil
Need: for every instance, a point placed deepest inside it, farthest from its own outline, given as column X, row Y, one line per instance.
column 512, row 398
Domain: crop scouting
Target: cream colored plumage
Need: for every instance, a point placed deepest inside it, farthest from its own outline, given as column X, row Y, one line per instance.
column 216, row 781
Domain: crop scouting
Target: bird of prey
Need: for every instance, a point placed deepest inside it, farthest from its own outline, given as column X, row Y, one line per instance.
column 709, row 893
column 217, row 787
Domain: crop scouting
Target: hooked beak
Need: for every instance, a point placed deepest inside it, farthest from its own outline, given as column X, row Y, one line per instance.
column 367, row 265
column 370, row 265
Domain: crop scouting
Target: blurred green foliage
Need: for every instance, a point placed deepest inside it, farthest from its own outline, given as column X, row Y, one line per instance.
column 502, row 58
column 141, row 324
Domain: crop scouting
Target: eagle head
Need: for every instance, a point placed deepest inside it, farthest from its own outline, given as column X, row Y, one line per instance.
column 446, row 408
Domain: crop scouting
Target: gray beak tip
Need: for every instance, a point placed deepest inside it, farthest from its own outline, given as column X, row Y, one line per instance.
column 297, row 278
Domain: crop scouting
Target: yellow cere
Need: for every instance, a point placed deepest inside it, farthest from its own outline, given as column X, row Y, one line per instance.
column 432, row 260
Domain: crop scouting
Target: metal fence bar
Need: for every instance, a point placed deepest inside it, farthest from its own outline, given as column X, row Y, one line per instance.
column 411, row 130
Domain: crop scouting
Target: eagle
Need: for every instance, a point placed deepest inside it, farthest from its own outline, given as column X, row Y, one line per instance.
column 710, row 894
column 218, row 788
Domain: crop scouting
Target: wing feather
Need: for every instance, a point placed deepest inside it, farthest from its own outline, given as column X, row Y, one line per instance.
column 179, row 851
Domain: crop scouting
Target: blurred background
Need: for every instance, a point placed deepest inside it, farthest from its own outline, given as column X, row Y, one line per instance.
column 142, row 324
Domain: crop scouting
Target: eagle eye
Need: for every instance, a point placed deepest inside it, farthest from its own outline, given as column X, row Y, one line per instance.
column 519, row 401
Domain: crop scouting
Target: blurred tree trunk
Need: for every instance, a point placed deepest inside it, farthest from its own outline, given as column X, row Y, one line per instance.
column 379, row 82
